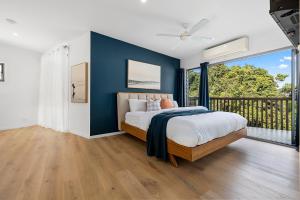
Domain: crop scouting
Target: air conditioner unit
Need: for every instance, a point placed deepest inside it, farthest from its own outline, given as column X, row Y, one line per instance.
column 235, row 46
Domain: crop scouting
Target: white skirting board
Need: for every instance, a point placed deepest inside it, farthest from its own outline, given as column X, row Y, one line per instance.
column 106, row 135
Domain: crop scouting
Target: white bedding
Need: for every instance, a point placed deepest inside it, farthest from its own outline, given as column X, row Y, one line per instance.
column 193, row 130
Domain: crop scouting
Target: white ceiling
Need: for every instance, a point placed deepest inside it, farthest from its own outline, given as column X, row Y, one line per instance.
column 44, row 23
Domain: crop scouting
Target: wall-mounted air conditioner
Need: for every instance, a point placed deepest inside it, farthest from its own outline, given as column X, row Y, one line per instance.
column 235, row 46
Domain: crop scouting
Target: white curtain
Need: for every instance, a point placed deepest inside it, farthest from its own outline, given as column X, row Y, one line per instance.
column 53, row 94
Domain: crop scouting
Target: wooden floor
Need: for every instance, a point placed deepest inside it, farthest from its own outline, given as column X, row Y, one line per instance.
column 37, row 163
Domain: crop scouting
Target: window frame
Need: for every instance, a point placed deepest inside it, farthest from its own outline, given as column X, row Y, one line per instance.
column 3, row 72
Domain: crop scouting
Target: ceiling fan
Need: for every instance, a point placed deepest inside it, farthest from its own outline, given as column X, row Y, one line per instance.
column 188, row 33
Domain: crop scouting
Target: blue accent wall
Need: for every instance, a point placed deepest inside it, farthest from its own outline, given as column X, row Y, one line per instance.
column 109, row 75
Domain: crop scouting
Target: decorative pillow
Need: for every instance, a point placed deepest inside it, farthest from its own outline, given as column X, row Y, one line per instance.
column 137, row 105
column 175, row 104
column 166, row 103
column 153, row 105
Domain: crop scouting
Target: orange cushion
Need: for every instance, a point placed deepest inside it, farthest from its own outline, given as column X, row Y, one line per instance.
column 166, row 103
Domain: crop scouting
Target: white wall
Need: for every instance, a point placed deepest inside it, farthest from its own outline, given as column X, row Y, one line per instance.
column 258, row 43
column 19, row 92
column 79, row 113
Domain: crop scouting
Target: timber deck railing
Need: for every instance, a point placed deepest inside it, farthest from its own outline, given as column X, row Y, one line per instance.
column 273, row 113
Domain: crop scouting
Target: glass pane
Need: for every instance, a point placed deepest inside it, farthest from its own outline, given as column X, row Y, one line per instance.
column 193, row 77
column 258, row 88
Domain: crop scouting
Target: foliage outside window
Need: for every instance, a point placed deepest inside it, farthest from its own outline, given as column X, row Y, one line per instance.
column 193, row 77
column 246, row 81
column 267, row 75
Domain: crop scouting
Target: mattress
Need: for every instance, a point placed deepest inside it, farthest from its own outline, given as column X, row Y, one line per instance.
column 193, row 130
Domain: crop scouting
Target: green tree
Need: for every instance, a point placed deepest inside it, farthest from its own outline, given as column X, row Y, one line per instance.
column 281, row 77
column 194, row 81
column 237, row 81
column 286, row 90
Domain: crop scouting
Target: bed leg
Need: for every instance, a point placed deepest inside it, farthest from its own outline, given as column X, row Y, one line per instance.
column 173, row 160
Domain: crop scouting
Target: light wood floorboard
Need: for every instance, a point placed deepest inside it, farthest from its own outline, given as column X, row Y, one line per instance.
column 38, row 163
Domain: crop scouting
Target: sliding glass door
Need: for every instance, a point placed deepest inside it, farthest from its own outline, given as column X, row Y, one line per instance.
column 261, row 88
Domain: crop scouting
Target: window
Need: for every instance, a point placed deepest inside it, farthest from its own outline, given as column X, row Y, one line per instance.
column 260, row 88
column 193, row 81
column 1, row 72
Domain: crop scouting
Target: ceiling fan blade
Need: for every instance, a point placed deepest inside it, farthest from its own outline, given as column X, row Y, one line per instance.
column 167, row 35
column 197, row 26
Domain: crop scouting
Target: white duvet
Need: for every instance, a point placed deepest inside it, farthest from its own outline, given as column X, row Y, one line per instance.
column 191, row 130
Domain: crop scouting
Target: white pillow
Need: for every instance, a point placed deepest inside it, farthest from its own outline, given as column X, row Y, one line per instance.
column 137, row 105
column 175, row 104
column 153, row 105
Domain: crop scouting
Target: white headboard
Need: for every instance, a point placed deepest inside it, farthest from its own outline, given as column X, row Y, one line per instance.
column 123, row 105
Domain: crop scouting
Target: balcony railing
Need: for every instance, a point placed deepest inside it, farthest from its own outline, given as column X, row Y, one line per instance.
column 271, row 113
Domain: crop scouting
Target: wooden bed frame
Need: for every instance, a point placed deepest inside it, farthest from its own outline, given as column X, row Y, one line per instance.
column 174, row 149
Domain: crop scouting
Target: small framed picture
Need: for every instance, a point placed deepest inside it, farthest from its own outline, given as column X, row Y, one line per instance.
column 2, row 72
column 79, row 83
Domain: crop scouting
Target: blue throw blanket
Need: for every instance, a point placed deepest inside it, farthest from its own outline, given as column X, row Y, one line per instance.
column 157, row 131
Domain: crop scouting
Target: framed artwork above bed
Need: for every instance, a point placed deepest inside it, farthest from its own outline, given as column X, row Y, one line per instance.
column 143, row 75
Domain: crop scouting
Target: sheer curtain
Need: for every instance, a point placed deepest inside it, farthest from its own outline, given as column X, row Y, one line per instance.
column 53, row 94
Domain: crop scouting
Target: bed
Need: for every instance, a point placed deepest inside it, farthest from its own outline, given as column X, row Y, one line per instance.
column 186, row 137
